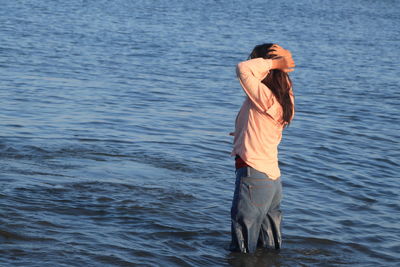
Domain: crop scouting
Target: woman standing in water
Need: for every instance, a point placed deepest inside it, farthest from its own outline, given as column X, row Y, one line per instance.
column 266, row 111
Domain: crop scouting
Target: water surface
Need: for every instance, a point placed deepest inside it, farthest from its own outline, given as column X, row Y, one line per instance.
column 114, row 122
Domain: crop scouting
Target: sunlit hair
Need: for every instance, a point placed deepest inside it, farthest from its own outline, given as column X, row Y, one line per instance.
column 278, row 81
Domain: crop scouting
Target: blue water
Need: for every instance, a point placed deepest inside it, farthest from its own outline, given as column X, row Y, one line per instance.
column 114, row 122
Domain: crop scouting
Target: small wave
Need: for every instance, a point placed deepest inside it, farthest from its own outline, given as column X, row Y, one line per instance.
column 31, row 173
column 17, row 236
column 98, row 152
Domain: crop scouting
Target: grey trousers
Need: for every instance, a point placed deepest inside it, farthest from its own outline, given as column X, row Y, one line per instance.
column 255, row 212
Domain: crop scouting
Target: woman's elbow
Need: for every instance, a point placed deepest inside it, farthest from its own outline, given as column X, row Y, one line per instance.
column 240, row 69
column 240, row 66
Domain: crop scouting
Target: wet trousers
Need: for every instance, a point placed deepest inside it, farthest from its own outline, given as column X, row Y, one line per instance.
column 255, row 212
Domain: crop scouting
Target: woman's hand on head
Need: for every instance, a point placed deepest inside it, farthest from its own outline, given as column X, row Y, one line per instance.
column 284, row 60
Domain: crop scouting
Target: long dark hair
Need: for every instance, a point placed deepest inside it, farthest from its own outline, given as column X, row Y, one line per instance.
column 278, row 81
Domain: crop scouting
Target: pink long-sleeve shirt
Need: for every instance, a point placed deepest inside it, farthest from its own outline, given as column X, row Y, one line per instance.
column 259, row 124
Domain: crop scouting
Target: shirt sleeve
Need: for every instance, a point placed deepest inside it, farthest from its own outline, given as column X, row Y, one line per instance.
column 251, row 73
